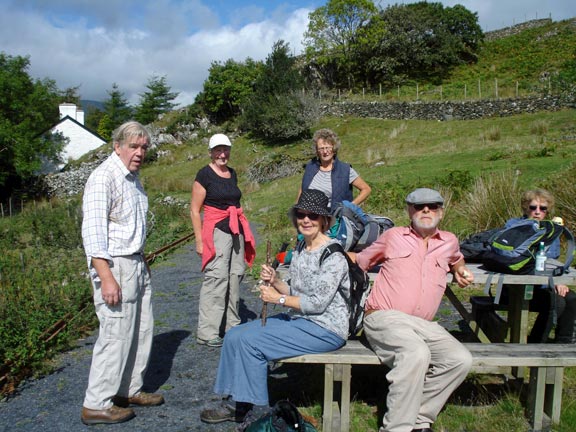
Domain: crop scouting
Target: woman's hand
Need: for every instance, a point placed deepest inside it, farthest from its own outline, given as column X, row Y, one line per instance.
column 562, row 290
column 267, row 274
column 269, row 294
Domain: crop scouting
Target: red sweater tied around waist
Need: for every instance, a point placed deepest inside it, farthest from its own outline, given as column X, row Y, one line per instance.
column 212, row 216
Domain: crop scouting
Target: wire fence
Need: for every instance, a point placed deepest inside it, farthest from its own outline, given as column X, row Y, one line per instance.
column 465, row 91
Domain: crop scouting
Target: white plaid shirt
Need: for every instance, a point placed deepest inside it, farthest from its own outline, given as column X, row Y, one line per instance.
column 114, row 207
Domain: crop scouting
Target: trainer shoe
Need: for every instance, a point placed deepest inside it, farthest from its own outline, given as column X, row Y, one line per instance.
column 141, row 399
column 221, row 413
column 217, row 342
column 114, row 414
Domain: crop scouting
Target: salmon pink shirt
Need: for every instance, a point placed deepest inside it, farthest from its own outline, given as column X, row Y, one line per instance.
column 412, row 277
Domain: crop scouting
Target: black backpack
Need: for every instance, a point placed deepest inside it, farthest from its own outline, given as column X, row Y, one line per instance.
column 513, row 250
column 476, row 247
column 359, row 290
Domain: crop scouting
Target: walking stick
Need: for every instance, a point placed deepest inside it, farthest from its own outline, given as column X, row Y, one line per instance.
column 264, row 304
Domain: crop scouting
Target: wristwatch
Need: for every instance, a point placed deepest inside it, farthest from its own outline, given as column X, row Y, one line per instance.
column 282, row 300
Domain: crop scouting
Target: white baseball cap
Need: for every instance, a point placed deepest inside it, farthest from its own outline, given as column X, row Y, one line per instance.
column 218, row 140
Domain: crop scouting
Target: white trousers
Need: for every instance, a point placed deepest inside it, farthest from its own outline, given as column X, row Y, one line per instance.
column 426, row 365
column 220, row 292
column 121, row 353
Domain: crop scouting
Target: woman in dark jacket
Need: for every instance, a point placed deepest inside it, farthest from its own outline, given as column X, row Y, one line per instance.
column 330, row 175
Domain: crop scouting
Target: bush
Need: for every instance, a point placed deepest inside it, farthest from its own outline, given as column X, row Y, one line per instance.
column 493, row 199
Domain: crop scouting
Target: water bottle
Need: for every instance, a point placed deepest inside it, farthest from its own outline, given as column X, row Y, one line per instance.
column 541, row 258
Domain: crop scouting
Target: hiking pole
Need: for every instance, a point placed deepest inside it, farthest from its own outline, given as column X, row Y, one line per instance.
column 264, row 304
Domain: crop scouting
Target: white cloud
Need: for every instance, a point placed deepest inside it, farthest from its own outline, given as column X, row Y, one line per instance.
column 95, row 44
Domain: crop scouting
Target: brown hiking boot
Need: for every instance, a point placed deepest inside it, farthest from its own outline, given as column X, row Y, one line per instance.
column 114, row 414
column 141, row 399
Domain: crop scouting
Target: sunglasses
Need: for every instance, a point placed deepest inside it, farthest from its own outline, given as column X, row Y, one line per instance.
column 311, row 216
column 431, row 206
column 534, row 208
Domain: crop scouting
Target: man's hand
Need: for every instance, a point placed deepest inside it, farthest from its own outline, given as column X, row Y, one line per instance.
column 463, row 276
column 111, row 292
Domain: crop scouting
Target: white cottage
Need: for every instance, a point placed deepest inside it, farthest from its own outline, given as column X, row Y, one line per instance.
column 81, row 140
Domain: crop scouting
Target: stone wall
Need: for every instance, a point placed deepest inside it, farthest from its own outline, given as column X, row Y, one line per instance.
column 515, row 29
column 460, row 110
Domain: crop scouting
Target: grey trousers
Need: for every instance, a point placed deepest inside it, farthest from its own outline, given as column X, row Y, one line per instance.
column 427, row 364
column 121, row 353
column 220, row 292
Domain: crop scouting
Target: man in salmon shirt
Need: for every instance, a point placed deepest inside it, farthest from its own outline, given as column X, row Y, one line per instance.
column 426, row 362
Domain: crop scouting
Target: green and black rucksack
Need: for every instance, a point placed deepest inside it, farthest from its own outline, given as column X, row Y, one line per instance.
column 513, row 250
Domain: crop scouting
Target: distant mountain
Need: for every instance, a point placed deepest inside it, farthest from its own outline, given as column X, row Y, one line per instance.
column 91, row 104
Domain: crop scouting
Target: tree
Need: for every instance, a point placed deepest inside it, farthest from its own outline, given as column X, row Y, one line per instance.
column 156, row 101
column 228, row 87
column 116, row 112
column 423, row 40
column 70, row 95
column 116, row 107
column 332, row 38
column 105, row 127
column 28, row 108
column 276, row 111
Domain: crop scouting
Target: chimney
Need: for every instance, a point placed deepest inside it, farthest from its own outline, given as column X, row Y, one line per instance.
column 72, row 111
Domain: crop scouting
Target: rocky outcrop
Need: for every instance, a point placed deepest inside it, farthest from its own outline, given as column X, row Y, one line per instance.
column 71, row 180
column 515, row 29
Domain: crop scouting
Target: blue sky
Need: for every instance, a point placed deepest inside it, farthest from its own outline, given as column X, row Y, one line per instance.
column 95, row 43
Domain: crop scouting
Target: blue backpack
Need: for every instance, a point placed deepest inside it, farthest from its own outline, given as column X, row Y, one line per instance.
column 355, row 229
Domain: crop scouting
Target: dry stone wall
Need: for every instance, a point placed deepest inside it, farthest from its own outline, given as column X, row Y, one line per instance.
column 448, row 110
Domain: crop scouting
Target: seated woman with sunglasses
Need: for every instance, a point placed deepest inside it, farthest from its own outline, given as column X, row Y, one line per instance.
column 538, row 204
column 315, row 321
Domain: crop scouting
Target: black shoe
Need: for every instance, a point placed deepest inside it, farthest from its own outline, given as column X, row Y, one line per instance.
column 222, row 413
column 423, row 430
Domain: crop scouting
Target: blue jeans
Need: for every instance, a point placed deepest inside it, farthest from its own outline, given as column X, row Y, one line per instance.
column 243, row 368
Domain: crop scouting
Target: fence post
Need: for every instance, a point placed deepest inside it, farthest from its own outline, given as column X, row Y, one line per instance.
column 380, row 89
column 398, row 91
column 496, row 87
column 441, row 97
column 479, row 90
column 465, row 90
column 516, row 88
column 2, row 208
column 417, row 92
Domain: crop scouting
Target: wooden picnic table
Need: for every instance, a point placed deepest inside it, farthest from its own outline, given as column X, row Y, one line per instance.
column 520, row 292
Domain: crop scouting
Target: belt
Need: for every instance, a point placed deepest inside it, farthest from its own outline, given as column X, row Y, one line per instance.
column 369, row 311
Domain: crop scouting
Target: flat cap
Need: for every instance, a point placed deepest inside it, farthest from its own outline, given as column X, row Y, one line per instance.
column 424, row 196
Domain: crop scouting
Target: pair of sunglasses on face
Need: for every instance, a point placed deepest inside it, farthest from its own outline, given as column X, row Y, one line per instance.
column 431, row 206
column 534, row 207
column 311, row 216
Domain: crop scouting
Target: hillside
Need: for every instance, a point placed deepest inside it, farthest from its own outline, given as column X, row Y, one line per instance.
column 522, row 63
column 532, row 54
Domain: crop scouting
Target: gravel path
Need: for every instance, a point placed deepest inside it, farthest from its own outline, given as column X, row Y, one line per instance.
column 180, row 369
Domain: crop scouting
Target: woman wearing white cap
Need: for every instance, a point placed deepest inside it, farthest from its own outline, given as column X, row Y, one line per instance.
column 223, row 240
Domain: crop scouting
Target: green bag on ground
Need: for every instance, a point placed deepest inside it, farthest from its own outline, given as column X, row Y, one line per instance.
column 284, row 417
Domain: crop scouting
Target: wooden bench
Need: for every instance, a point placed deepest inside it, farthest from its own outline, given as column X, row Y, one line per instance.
column 546, row 363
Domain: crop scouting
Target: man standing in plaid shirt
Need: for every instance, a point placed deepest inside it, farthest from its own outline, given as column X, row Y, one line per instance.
column 114, row 234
